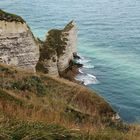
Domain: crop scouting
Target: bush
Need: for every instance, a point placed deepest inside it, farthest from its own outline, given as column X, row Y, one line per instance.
column 32, row 84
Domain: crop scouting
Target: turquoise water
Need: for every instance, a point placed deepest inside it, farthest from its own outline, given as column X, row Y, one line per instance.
column 109, row 40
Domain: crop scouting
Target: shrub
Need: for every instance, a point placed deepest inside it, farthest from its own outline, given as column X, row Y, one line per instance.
column 32, row 84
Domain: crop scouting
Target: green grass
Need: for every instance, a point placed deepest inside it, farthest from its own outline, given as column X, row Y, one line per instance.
column 12, row 129
column 18, row 130
column 9, row 98
column 31, row 84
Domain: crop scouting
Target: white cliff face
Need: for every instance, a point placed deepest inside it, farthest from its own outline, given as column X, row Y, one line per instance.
column 17, row 45
column 72, row 37
column 69, row 35
column 64, row 59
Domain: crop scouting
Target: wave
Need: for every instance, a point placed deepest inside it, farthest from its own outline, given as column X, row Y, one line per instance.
column 87, row 79
column 91, row 76
column 90, row 79
column 88, row 66
column 80, row 71
column 83, row 60
column 86, row 62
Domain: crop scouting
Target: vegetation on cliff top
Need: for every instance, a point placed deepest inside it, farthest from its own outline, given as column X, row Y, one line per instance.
column 36, row 106
column 10, row 17
column 56, row 41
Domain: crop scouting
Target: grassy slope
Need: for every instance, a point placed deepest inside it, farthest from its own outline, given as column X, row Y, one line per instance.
column 40, row 107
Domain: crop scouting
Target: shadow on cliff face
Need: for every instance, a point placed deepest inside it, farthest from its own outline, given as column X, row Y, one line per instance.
column 71, row 72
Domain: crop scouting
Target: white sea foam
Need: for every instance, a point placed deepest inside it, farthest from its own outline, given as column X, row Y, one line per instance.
column 83, row 60
column 81, row 71
column 88, row 66
column 91, row 76
column 90, row 79
column 86, row 63
column 87, row 79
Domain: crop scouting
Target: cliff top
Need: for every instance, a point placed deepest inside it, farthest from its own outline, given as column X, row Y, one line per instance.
column 10, row 17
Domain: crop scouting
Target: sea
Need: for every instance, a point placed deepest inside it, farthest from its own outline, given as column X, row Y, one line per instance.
column 108, row 43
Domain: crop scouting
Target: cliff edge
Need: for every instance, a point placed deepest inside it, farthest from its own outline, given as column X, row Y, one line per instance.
column 18, row 46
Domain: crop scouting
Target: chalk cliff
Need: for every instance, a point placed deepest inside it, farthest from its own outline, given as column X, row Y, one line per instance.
column 69, row 39
column 58, row 50
column 18, row 46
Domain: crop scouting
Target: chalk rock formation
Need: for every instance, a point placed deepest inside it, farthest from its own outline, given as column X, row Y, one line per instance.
column 69, row 39
column 58, row 49
column 18, row 46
